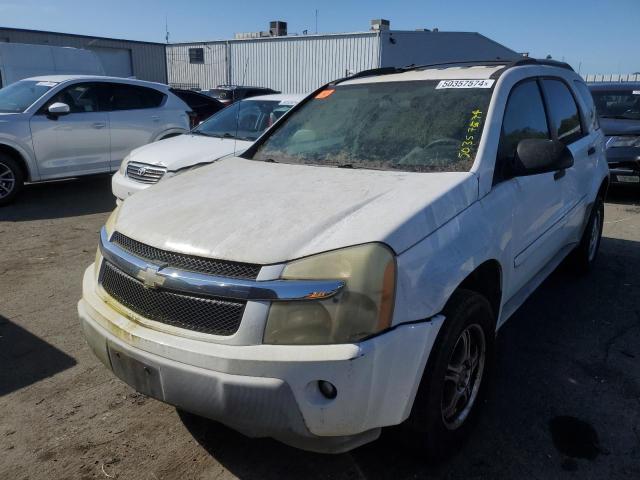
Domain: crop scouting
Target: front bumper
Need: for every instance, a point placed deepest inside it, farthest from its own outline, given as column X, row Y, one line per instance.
column 266, row 390
column 624, row 165
column 123, row 187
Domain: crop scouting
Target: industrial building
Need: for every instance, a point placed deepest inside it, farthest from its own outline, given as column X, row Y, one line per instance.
column 300, row 63
column 120, row 58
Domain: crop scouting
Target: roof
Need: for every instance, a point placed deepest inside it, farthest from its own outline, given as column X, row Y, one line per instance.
column 434, row 73
column 472, row 70
column 100, row 78
column 92, row 37
column 281, row 97
column 614, row 86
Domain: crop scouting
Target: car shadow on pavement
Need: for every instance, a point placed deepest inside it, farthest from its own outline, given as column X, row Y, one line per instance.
column 26, row 359
column 569, row 356
column 68, row 198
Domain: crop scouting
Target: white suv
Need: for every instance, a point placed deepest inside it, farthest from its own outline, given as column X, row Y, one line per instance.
column 63, row 126
column 350, row 271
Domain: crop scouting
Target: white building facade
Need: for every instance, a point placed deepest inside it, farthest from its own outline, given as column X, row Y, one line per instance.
column 301, row 63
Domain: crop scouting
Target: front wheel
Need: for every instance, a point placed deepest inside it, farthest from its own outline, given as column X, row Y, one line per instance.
column 11, row 179
column 456, row 376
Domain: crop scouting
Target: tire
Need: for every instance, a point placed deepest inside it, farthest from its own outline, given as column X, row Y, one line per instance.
column 584, row 256
column 439, row 424
column 11, row 179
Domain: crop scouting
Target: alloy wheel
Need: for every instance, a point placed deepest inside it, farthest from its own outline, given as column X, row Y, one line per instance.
column 463, row 376
column 7, row 180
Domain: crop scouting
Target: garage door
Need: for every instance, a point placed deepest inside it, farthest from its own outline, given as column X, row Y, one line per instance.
column 116, row 61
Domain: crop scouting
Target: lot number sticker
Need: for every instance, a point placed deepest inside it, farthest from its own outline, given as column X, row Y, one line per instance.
column 464, row 84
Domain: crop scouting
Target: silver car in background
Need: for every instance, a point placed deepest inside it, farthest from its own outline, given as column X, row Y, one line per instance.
column 64, row 126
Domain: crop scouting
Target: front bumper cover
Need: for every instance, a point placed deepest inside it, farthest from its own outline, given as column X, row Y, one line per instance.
column 267, row 390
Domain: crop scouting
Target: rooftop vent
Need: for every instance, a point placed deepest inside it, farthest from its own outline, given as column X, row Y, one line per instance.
column 380, row 24
column 278, row 28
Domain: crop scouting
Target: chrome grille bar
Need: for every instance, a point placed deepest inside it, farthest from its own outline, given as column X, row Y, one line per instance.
column 154, row 275
column 145, row 173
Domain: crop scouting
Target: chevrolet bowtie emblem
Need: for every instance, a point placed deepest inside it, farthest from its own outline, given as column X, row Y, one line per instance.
column 150, row 278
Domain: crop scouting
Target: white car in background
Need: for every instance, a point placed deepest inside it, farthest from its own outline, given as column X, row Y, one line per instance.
column 62, row 126
column 230, row 131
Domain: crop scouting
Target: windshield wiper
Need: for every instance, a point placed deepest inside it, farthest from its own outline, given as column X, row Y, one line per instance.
column 269, row 160
column 345, row 165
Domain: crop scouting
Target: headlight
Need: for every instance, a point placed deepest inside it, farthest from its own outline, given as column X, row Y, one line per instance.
column 624, row 141
column 111, row 221
column 362, row 308
column 123, row 165
column 110, row 227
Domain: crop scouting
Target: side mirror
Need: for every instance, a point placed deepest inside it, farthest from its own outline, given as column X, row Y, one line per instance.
column 537, row 155
column 58, row 108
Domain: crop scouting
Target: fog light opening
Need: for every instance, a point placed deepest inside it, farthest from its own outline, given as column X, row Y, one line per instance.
column 327, row 389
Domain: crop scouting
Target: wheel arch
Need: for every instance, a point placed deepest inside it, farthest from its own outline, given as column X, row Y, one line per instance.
column 486, row 279
column 18, row 157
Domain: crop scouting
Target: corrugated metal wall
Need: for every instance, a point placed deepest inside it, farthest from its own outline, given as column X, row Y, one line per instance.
column 611, row 77
column 301, row 64
column 288, row 64
column 211, row 73
column 147, row 59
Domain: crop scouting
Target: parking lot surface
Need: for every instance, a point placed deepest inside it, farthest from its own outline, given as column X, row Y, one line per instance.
column 565, row 402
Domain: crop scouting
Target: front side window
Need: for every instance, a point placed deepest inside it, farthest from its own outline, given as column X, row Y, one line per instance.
column 524, row 118
column 244, row 120
column 564, row 112
column 408, row 126
column 19, row 96
column 81, row 98
column 133, row 97
column 619, row 103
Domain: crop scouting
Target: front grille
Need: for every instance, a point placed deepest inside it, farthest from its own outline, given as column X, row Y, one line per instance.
column 206, row 315
column 145, row 173
column 187, row 262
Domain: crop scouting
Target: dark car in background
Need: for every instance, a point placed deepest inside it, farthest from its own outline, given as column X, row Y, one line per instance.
column 618, row 106
column 202, row 106
column 227, row 94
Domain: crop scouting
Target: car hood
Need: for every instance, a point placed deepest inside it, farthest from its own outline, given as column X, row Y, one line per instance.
column 615, row 126
column 187, row 150
column 265, row 213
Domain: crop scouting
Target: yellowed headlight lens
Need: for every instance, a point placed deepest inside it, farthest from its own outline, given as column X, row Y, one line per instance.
column 362, row 308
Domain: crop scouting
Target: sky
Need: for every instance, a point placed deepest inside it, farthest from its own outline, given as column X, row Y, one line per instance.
column 594, row 36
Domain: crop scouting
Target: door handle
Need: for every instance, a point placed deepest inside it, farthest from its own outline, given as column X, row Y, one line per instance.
column 99, row 125
column 155, row 118
column 591, row 150
column 559, row 174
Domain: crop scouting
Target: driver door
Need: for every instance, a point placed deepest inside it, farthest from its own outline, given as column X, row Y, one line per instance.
column 76, row 143
column 538, row 207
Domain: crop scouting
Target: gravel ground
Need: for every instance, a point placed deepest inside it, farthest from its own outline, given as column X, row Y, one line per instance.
column 565, row 404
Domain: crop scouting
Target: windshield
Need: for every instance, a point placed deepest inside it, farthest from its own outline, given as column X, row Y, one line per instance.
column 19, row 96
column 245, row 120
column 417, row 126
column 623, row 104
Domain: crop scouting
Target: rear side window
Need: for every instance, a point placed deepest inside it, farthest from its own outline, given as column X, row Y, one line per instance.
column 524, row 117
column 563, row 110
column 591, row 114
column 131, row 97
